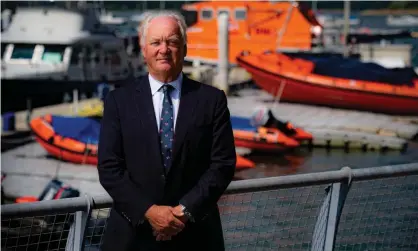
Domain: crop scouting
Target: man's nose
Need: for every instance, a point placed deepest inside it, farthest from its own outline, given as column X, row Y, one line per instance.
column 164, row 48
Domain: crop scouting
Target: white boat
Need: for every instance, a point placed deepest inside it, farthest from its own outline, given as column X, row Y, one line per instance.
column 48, row 51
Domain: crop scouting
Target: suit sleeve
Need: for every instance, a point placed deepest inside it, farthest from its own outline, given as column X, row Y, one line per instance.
column 216, row 179
column 128, row 198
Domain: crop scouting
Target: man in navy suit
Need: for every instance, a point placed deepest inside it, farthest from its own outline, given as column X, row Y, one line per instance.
column 166, row 151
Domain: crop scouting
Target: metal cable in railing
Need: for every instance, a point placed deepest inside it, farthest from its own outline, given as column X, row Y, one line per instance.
column 315, row 211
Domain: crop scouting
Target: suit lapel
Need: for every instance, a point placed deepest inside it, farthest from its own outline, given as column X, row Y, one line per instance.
column 145, row 109
column 185, row 117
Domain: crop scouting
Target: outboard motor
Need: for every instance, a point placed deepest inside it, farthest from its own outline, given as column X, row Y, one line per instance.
column 263, row 116
column 54, row 190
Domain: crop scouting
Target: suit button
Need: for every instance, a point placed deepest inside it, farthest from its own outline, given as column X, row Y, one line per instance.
column 163, row 177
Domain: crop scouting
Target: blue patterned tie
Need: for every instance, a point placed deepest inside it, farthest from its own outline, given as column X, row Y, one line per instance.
column 166, row 127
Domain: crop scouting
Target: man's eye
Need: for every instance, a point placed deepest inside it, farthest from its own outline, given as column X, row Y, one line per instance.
column 155, row 43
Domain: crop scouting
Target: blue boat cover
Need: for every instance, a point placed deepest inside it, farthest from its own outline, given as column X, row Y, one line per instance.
column 351, row 68
column 82, row 129
column 241, row 123
column 87, row 130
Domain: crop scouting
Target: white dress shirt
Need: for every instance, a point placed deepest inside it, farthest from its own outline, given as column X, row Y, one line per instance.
column 158, row 96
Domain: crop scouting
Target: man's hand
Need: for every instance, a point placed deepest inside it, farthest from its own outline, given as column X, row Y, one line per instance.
column 178, row 213
column 163, row 221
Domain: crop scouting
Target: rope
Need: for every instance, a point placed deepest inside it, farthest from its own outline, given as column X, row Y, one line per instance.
column 284, row 27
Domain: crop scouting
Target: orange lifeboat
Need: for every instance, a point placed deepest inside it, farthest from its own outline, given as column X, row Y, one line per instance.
column 263, row 139
column 334, row 81
column 253, row 26
column 68, row 138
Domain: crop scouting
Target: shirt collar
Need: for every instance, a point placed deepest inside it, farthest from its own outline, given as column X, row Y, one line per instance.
column 156, row 85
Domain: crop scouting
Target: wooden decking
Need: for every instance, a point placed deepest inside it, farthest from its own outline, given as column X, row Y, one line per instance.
column 333, row 126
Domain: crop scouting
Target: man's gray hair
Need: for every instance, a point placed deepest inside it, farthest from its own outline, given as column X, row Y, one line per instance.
column 150, row 15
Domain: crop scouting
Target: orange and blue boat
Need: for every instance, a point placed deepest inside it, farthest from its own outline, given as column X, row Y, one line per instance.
column 75, row 139
column 276, row 135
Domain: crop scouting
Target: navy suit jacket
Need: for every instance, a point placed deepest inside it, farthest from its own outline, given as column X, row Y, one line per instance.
column 131, row 169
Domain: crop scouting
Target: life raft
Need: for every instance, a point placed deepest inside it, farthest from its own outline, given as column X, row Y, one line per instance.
column 75, row 139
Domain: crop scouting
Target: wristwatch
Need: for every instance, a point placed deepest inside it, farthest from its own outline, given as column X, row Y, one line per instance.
column 187, row 213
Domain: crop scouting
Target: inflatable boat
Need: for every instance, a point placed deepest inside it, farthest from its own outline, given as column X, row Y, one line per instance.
column 263, row 131
column 72, row 139
column 75, row 139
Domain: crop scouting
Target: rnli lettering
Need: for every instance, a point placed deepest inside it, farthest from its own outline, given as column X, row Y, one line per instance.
column 263, row 31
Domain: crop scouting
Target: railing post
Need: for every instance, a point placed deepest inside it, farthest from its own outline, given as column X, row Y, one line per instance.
column 75, row 240
column 326, row 227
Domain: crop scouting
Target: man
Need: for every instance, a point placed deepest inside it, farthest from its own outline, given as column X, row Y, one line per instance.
column 166, row 151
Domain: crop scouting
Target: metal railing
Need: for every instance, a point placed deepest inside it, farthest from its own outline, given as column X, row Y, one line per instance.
column 349, row 209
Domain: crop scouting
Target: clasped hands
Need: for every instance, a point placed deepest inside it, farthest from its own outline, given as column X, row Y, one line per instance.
column 165, row 221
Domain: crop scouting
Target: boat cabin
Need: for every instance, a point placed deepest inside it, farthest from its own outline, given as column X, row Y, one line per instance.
column 254, row 26
column 62, row 44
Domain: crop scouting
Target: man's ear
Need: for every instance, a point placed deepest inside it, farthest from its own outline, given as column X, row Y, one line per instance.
column 142, row 50
column 185, row 50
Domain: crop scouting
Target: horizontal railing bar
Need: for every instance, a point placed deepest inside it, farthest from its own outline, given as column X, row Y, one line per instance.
column 385, row 171
column 72, row 205
column 41, row 208
column 288, row 181
column 320, row 178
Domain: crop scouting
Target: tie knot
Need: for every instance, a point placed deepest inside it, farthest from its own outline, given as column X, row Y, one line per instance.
column 166, row 88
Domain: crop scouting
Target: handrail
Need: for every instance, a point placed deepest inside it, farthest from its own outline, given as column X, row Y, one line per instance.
column 71, row 205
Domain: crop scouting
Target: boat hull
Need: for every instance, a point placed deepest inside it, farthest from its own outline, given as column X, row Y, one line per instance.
column 60, row 146
column 243, row 163
column 304, row 92
column 67, row 154
column 254, row 145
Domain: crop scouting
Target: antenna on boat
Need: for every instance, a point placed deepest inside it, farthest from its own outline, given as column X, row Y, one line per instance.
column 346, row 27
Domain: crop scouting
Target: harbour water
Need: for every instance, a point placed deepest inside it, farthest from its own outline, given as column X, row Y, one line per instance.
column 305, row 160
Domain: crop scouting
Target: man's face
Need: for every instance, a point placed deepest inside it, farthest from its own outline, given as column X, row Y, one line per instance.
column 163, row 50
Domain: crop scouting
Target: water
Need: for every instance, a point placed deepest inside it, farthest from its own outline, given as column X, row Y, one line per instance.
column 304, row 160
